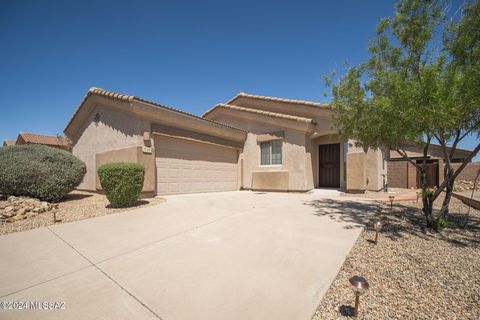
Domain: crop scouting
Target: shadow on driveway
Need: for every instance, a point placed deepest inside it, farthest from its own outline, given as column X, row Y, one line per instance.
column 355, row 214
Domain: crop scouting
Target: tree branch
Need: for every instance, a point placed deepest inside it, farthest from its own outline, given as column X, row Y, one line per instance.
column 404, row 155
column 457, row 172
column 443, row 146
column 460, row 137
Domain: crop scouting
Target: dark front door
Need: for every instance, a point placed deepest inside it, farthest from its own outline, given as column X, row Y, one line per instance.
column 329, row 165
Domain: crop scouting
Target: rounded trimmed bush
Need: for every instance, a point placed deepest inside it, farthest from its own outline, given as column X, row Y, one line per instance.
column 122, row 182
column 39, row 171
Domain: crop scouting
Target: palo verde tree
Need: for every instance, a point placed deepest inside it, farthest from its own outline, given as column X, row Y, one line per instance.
column 416, row 87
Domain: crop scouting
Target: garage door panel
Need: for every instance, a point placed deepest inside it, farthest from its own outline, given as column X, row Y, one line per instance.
column 188, row 167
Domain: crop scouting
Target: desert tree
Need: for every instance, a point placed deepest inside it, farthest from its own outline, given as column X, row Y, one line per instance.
column 421, row 84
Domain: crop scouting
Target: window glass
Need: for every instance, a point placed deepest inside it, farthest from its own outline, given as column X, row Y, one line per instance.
column 271, row 153
column 276, row 151
column 265, row 153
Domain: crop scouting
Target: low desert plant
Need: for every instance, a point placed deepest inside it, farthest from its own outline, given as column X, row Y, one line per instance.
column 440, row 224
column 121, row 182
column 39, row 171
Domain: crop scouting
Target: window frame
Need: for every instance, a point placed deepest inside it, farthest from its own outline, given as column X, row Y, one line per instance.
column 271, row 154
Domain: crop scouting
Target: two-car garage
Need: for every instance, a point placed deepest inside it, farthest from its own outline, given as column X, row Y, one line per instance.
column 181, row 152
column 190, row 166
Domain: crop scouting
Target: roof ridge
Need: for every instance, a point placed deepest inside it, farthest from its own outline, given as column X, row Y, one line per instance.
column 285, row 100
column 41, row 134
column 265, row 112
column 131, row 98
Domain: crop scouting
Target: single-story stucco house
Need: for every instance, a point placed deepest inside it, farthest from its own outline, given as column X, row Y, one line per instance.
column 7, row 143
column 35, row 138
column 249, row 142
column 51, row 141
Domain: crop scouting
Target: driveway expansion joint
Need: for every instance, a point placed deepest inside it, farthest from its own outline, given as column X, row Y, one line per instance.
column 106, row 275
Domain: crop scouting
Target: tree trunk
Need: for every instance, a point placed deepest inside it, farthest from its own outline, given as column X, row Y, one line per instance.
column 427, row 199
column 446, row 201
column 448, row 193
column 428, row 210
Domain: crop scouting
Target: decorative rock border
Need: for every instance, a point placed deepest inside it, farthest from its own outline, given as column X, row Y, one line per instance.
column 18, row 208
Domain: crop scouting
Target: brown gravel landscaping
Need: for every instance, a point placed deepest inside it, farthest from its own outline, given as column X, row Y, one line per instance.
column 77, row 205
column 413, row 273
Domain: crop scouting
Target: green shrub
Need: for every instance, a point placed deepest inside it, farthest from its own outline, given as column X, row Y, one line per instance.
column 39, row 171
column 440, row 224
column 427, row 193
column 122, row 182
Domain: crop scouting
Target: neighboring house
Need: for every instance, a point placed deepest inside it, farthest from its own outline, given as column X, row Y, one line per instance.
column 8, row 143
column 402, row 174
column 250, row 142
column 51, row 141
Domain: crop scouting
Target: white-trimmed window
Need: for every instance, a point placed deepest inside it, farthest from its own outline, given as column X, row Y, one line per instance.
column 271, row 153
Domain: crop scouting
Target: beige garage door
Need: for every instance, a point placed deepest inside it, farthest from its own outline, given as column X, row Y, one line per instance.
column 188, row 167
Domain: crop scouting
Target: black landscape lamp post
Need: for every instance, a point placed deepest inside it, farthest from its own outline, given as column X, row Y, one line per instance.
column 391, row 202
column 377, row 225
column 360, row 286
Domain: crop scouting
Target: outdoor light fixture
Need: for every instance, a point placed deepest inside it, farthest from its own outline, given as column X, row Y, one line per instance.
column 55, row 209
column 417, row 195
column 391, row 202
column 360, row 286
column 377, row 225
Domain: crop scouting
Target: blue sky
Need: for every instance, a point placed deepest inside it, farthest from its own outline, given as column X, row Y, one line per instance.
column 189, row 55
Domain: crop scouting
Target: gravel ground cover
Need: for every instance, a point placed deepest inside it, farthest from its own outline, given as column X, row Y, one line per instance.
column 413, row 273
column 77, row 205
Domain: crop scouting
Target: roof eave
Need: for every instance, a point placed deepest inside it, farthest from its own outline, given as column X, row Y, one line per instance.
column 70, row 131
column 295, row 124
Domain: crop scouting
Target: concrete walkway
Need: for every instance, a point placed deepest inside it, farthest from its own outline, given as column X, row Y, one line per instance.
column 232, row 255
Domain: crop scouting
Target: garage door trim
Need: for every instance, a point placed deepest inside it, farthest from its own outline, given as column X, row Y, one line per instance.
column 194, row 140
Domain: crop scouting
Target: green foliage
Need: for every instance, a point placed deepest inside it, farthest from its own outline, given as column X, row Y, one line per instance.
column 427, row 193
column 122, row 182
column 462, row 42
column 413, row 87
column 440, row 224
column 39, row 171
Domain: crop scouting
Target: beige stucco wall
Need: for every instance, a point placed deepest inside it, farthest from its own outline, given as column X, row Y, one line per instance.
column 111, row 129
column 301, row 110
column 133, row 154
column 373, row 170
column 300, row 149
column 356, row 172
column 270, row 180
column 296, row 161
column 365, row 170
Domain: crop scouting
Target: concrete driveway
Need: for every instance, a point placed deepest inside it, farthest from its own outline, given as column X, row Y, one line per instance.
column 233, row 255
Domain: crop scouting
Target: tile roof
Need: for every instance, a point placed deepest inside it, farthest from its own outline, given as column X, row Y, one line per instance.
column 274, row 99
column 43, row 139
column 262, row 112
column 9, row 142
column 129, row 98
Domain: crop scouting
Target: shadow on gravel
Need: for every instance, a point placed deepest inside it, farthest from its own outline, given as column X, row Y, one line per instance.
column 75, row 196
column 138, row 203
column 355, row 214
column 406, row 219
column 347, row 311
column 403, row 220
